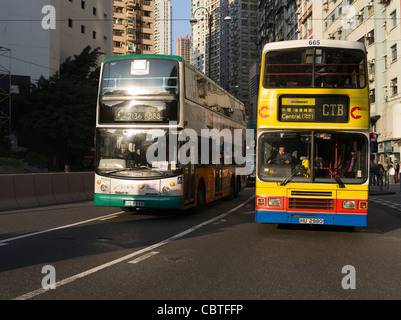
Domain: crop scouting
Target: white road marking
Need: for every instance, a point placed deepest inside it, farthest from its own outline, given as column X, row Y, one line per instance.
column 37, row 292
column 108, row 218
column 145, row 256
column 57, row 228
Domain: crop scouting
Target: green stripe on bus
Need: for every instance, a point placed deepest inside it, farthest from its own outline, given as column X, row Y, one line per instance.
column 143, row 56
column 148, row 201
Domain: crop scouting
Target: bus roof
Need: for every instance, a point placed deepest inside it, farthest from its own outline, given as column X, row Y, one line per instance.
column 143, row 56
column 314, row 43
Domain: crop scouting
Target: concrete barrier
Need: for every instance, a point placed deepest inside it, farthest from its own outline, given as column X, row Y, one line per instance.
column 37, row 189
column 44, row 189
column 7, row 195
column 24, row 189
column 61, row 189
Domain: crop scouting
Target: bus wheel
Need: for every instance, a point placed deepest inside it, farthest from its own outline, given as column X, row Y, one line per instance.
column 200, row 198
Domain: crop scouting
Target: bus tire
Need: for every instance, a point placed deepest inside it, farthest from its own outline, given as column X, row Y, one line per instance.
column 200, row 198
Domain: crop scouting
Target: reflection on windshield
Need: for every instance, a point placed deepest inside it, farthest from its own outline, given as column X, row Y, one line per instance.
column 124, row 152
column 140, row 77
column 312, row 156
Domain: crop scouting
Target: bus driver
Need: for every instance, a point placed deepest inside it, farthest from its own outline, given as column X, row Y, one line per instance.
column 280, row 157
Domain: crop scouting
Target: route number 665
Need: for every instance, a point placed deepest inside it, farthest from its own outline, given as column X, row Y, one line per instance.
column 314, row 42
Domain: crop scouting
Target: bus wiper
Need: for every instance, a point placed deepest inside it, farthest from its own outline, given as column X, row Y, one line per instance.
column 293, row 173
column 119, row 170
column 137, row 168
column 151, row 169
column 338, row 180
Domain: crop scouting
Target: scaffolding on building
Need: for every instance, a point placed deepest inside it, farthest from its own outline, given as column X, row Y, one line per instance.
column 5, row 86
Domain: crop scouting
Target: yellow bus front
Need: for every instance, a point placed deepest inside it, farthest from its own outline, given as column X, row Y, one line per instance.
column 313, row 133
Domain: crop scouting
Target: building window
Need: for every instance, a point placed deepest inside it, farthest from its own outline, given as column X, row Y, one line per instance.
column 394, row 86
column 394, row 53
column 94, row 34
column 94, row 11
column 70, row 23
column 83, row 29
column 393, row 19
column 82, row 4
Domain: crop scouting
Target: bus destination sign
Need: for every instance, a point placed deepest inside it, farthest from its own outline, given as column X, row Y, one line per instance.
column 148, row 114
column 313, row 109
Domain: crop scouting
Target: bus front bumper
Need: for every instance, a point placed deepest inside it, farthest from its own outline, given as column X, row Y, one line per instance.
column 356, row 220
column 130, row 201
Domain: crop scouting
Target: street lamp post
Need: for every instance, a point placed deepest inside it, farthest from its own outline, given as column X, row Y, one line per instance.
column 194, row 21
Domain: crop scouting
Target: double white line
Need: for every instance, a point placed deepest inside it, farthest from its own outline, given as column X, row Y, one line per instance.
column 148, row 250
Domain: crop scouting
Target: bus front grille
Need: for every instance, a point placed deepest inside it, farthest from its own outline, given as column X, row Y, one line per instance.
column 311, row 204
column 311, row 193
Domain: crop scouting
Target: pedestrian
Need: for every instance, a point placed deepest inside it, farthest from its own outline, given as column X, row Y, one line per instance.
column 391, row 172
column 397, row 172
column 372, row 175
column 379, row 174
column 67, row 168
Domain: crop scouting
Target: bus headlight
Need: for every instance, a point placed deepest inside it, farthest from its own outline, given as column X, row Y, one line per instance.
column 275, row 202
column 104, row 187
column 166, row 189
column 349, row 204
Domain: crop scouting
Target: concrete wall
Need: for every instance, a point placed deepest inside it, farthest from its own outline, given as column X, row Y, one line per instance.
column 37, row 189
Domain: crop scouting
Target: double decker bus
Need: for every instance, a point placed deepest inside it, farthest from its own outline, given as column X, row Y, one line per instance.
column 314, row 107
column 164, row 135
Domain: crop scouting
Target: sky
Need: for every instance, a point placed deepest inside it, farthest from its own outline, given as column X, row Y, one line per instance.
column 181, row 17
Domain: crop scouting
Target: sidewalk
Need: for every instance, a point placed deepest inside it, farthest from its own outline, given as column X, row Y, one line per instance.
column 386, row 189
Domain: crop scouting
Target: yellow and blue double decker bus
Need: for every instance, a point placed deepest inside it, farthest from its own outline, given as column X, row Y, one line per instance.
column 313, row 134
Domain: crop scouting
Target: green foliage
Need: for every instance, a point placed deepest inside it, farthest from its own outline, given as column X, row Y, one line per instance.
column 5, row 141
column 60, row 111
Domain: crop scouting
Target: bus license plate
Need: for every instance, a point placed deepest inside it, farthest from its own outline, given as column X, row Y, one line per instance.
column 311, row 221
column 135, row 203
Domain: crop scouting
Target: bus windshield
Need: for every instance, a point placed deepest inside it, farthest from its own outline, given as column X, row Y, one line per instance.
column 313, row 157
column 315, row 68
column 140, row 77
column 124, row 152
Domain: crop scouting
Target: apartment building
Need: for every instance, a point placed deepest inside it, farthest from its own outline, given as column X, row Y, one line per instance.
column 228, row 30
column 289, row 20
column 242, row 48
column 41, row 34
column 377, row 25
column 163, row 27
column 184, row 47
column 133, row 27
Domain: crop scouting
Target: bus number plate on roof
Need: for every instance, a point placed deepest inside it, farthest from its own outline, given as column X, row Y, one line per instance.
column 126, row 115
column 313, row 109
